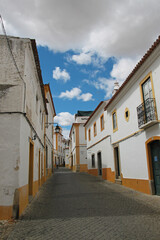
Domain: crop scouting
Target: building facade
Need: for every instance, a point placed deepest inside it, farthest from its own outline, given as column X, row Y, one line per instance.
column 22, row 123
column 78, row 151
column 130, row 147
column 49, row 132
column 99, row 157
column 59, row 146
column 134, row 113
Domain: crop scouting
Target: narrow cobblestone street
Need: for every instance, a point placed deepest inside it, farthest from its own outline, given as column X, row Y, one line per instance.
column 79, row 206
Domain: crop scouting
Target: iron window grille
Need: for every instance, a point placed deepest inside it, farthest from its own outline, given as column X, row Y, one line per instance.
column 146, row 112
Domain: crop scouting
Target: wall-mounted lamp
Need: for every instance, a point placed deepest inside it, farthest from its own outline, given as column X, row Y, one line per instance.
column 57, row 128
column 34, row 137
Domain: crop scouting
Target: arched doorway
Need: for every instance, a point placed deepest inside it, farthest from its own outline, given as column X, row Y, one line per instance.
column 99, row 159
column 153, row 159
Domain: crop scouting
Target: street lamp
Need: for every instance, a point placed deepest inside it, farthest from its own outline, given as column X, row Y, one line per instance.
column 57, row 128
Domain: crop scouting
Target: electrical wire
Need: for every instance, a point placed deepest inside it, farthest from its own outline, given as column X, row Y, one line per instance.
column 14, row 61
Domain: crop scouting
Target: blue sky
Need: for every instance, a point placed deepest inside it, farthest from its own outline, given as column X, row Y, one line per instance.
column 84, row 46
column 80, row 75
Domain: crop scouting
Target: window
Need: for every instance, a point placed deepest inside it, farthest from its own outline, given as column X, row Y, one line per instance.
column 102, row 122
column 93, row 160
column 37, row 104
column 147, row 89
column 148, row 106
column 127, row 114
column 89, row 134
column 114, row 121
column 95, row 129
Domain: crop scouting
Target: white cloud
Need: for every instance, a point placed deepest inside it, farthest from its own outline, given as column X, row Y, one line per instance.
column 76, row 93
column 108, row 28
column 59, row 74
column 64, row 119
column 102, row 84
column 86, row 97
column 65, row 133
column 123, row 68
column 82, row 58
column 106, row 85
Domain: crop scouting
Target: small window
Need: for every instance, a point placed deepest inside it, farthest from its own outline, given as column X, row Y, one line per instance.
column 93, row 161
column 89, row 134
column 95, row 129
column 102, row 122
column 85, row 134
column 114, row 121
column 127, row 114
column 37, row 104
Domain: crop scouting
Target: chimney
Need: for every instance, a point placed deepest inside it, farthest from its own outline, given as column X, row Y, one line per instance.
column 116, row 87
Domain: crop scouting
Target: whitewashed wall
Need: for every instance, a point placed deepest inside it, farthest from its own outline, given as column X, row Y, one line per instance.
column 103, row 146
column 132, row 150
column 15, row 129
column 9, row 157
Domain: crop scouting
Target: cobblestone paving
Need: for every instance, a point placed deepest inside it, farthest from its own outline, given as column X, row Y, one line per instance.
column 79, row 206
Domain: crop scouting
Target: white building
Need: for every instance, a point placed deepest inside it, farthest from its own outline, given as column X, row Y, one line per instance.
column 22, row 121
column 49, row 131
column 66, row 152
column 133, row 123
column 99, row 157
column 59, row 146
column 78, row 151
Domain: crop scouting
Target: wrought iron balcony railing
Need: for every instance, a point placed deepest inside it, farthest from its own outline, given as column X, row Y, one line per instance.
column 147, row 112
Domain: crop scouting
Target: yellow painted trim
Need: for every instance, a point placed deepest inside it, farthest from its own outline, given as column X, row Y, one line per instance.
column 140, row 185
column 5, row 212
column 83, row 167
column 80, row 145
column 98, row 142
column 102, row 127
column 149, row 75
column 93, row 172
column 95, row 129
column 122, row 139
column 148, row 154
column 127, row 118
column 85, row 133
column 23, row 198
column 114, row 112
column 57, row 141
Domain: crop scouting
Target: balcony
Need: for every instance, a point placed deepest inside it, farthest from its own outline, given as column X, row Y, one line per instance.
column 147, row 113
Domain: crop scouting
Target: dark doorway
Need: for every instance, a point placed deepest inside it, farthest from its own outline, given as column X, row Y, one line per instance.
column 31, row 161
column 117, row 163
column 99, row 163
column 155, row 155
